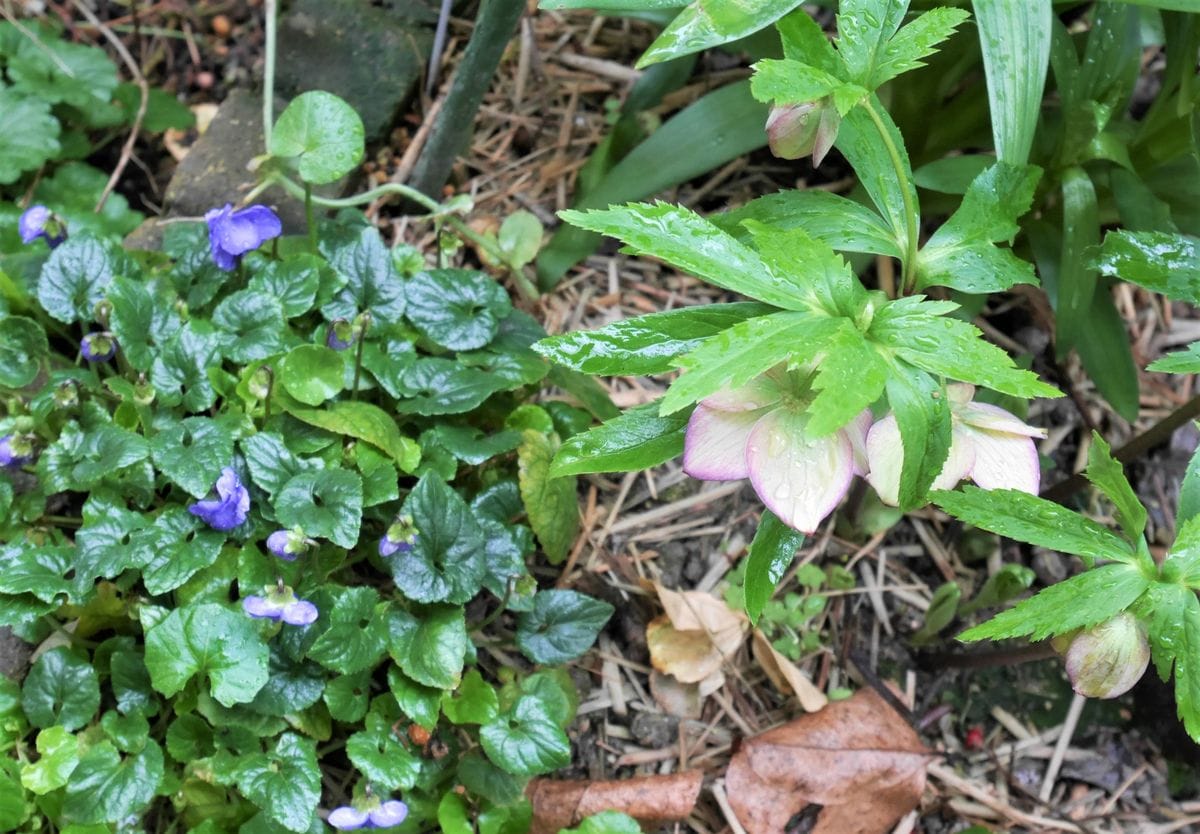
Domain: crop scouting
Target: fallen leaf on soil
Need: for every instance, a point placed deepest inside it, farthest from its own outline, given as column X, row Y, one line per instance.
column 785, row 675
column 857, row 758
column 681, row 700
column 695, row 637
column 560, row 804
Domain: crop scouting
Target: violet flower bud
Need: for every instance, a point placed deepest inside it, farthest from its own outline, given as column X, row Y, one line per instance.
column 98, row 347
column 232, row 234
column 340, row 335
column 231, row 506
column 399, row 538
column 288, row 544
column 37, row 221
column 1108, row 659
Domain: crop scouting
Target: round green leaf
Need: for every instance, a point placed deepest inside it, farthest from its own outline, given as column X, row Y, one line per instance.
column 192, row 453
column 525, row 741
column 381, row 756
column 75, row 277
column 30, row 136
column 22, row 347
column 562, row 626
column 326, row 504
column 447, row 562
column 106, row 788
column 58, row 754
column 252, row 325
column 459, row 309
column 431, row 646
column 322, row 134
column 285, row 782
column 312, row 373
column 207, row 639
column 356, row 638
column 61, row 688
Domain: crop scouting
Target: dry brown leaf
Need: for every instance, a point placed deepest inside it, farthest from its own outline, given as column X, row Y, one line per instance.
column 695, row 637
column 785, row 676
column 676, row 698
column 857, row 758
column 653, row 799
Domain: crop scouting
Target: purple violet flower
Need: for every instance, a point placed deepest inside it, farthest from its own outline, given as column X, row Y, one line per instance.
column 232, row 234
column 16, row 450
column 340, row 335
column 280, row 603
column 229, row 508
column 385, row 815
column 399, row 538
column 288, row 544
column 98, row 347
column 38, row 221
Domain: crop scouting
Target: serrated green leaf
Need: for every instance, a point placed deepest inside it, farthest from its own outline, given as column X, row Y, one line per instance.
column 702, row 25
column 141, row 320
column 1107, row 476
column 59, row 71
column 128, row 732
column 1079, row 602
column 325, row 503
column 212, row 641
column 459, row 309
column 293, row 281
column 61, row 688
column 372, row 282
column 960, row 254
column 550, row 502
column 1015, row 39
column 80, row 460
column 864, row 29
column 356, row 637
column 76, row 276
column 850, row 378
column 771, row 554
column 525, row 741
column 430, row 645
column 906, row 50
column 38, row 570
column 1027, row 518
column 192, row 453
column 32, row 135
column 270, row 462
column 365, row 422
column 638, row 439
column 321, row 134
column 684, row 239
column 1185, row 361
column 346, row 696
column 830, row 218
column 737, row 355
column 446, row 563
column 858, row 140
column 646, row 344
column 953, row 348
column 561, row 626
column 382, row 756
column 783, row 82
column 174, row 549
column 23, row 346
column 252, row 325
column 104, row 787
column 923, row 416
column 285, row 783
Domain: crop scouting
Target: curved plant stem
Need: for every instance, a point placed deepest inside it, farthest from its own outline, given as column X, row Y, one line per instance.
column 310, row 219
column 269, row 9
column 908, row 267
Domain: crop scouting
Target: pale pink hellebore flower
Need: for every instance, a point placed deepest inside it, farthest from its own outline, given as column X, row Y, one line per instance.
column 988, row 445
column 758, row 432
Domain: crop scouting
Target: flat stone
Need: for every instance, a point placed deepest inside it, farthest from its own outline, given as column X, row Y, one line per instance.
column 14, row 655
column 369, row 53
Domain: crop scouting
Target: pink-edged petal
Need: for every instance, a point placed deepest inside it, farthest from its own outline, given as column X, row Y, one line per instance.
column 996, row 419
column 1005, row 461
column 856, row 432
column 959, row 460
column 885, row 457
column 800, row 479
column 760, row 392
column 714, row 447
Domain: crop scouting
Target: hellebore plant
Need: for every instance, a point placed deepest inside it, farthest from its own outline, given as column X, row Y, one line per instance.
column 232, row 234
column 231, row 506
column 988, row 445
column 760, row 432
column 1106, row 660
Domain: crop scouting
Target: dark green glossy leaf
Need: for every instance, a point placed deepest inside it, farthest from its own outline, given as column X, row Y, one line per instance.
column 174, row 549
column 1160, row 262
column 459, row 309
column 1076, row 278
column 429, row 645
column 712, row 23
column 381, row 755
column 270, row 462
column 923, row 417
column 446, row 563
column 321, row 135
column 525, row 740
column 79, row 460
column 440, row 386
column 356, row 636
column 325, row 503
column 61, row 688
column 286, row 782
column 372, row 282
column 365, row 422
column 209, row 640
column 23, row 346
column 550, row 501
column 834, row 220
column 252, row 325
column 180, row 371
column 292, row 281
column 312, row 373
column 561, row 626
column 105, row 787
column 192, row 453
column 771, row 554
column 75, row 277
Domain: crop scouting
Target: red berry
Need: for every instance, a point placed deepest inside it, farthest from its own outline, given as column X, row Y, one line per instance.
column 974, row 738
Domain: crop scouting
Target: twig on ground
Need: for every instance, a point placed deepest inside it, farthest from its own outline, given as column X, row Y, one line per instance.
column 1060, row 749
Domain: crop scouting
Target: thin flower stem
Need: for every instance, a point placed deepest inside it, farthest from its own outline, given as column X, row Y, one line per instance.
column 269, row 8
column 309, row 218
column 908, row 266
column 491, row 618
column 358, row 355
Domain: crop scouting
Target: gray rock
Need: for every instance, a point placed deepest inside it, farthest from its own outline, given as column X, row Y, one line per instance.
column 14, row 655
column 370, row 54
column 654, row 730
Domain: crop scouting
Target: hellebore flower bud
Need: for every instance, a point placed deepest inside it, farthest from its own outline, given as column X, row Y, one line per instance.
column 797, row 130
column 1107, row 660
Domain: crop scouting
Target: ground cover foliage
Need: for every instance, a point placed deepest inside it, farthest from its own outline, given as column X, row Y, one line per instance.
column 267, row 499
